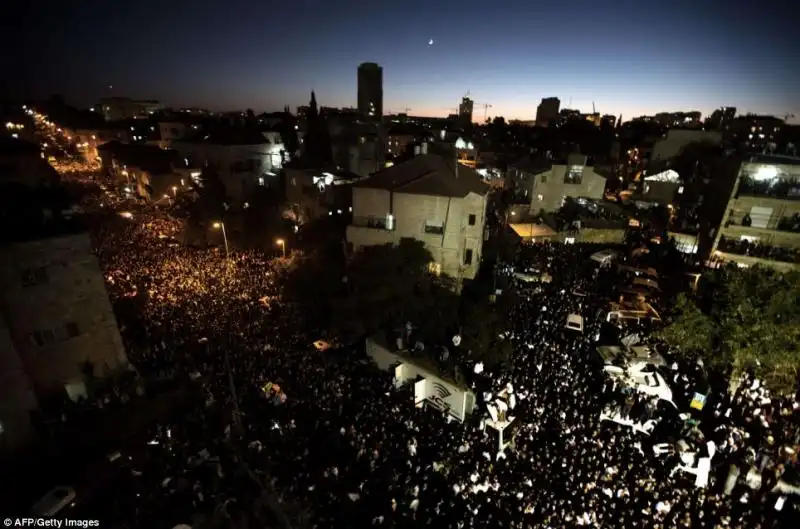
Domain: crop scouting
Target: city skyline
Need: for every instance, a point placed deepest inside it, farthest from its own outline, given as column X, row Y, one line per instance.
column 658, row 58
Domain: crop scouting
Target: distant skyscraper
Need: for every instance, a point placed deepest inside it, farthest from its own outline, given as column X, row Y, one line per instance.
column 370, row 92
column 547, row 111
column 465, row 110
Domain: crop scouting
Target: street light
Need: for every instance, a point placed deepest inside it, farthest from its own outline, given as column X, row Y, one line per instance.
column 282, row 244
column 175, row 191
column 221, row 226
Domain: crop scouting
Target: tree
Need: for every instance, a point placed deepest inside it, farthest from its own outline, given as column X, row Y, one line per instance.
column 381, row 287
column 743, row 319
column 211, row 198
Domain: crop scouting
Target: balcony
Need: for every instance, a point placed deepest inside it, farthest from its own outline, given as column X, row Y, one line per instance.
column 781, row 189
column 758, row 250
column 789, row 224
column 376, row 223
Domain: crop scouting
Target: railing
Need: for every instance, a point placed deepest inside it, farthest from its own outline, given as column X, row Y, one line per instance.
column 759, row 250
column 785, row 189
column 376, row 223
column 787, row 224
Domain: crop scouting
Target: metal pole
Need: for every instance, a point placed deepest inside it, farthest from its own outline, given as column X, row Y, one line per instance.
column 225, row 238
column 283, row 247
column 232, row 387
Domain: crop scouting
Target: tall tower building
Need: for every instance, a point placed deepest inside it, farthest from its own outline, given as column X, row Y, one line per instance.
column 547, row 111
column 370, row 92
column 465, row 110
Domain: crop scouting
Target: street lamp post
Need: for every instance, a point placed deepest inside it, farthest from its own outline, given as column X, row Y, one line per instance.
column 175, row 191
column 282, row 244
column 221, row 226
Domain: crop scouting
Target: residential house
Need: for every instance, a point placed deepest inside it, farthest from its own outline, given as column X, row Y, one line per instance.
column 312, row 193
column 551, row 184
column 243, row 158
column 429, row 198
column 148, row 172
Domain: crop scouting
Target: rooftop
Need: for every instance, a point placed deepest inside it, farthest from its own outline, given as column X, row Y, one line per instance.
column 16, row 147
column 146, row 157
column 428, row 174
column 232, row 136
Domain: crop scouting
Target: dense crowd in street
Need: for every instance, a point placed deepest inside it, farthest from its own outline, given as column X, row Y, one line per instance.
column 351, row 448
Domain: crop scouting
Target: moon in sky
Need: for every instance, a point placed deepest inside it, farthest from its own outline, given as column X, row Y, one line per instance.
column 430, row 42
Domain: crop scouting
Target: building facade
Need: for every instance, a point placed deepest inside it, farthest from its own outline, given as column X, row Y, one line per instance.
column 547, row 111
column 675, row 140
column 17, row 395
column 119, row 108
column 465, row 110
column 370, row 92
column 58, row 312
column 428, row 198
column 761, row 224
column 243, row 160
column 549, row 185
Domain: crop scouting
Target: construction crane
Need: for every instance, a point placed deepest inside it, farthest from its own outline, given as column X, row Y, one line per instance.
column 486, row 107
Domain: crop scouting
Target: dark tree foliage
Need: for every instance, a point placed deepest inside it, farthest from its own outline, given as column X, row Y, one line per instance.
column 742, row 319
column 384, row 286
column 211, row 199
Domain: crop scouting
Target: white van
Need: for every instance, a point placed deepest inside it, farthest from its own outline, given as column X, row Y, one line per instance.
column 575, row 322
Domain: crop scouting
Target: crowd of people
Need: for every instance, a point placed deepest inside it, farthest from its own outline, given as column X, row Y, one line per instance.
column 347, row 448
column 757, row 249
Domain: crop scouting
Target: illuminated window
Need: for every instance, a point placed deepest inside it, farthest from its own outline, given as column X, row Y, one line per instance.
column 574, row 175
column 569, row 240
column 435, row 268
column 261, row 180
column 680, row 190
column 434, row 226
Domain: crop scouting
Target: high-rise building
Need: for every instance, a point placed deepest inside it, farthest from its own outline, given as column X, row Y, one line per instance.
column 465, row 110
column 370, row 92
column 547, row 111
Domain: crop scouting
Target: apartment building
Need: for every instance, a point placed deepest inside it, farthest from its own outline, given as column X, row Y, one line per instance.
column 548, row 185
column 761, row 224
column 430, row 198
column 57, row 310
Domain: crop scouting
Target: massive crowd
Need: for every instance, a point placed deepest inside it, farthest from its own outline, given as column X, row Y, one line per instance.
column 349, row 448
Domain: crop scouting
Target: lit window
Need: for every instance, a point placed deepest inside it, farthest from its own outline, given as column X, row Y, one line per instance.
column 569, row 240
column 680, row 190
column 261, row 180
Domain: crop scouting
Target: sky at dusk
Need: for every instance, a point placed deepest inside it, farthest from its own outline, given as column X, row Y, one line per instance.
column 630, row 58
